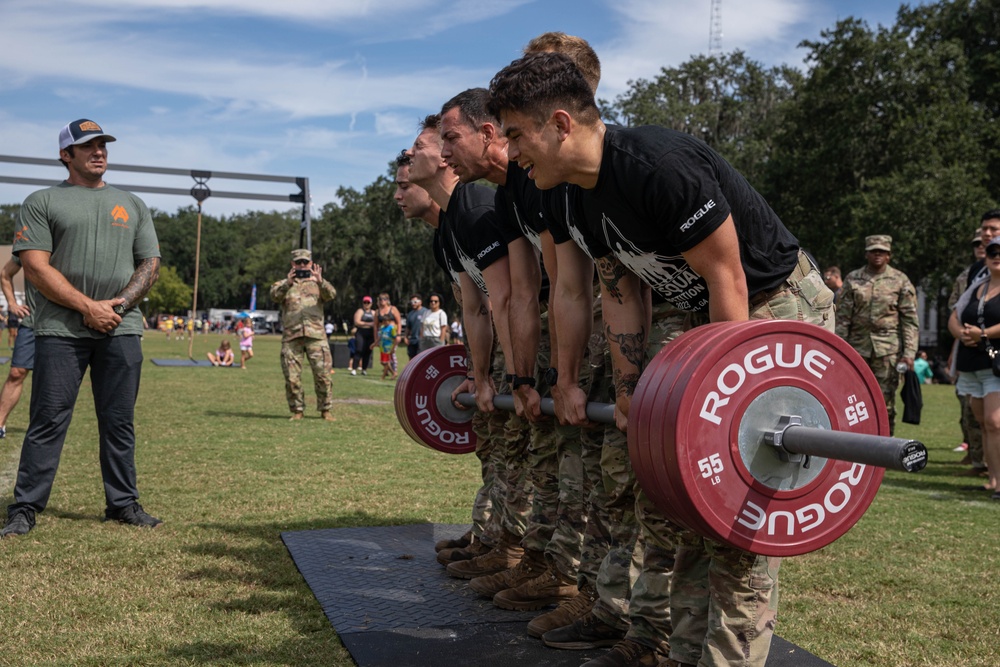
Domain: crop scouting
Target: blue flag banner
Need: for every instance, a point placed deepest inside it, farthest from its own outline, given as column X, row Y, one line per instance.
column 253, row 298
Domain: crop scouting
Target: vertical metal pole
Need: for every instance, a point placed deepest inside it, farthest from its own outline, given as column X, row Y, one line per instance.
column 305, row 231
column 197, row 264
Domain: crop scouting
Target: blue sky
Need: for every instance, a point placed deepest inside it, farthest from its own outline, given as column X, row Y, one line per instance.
column 326, row 89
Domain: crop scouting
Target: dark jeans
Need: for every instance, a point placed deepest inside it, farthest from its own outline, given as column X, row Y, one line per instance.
column 413, row 348
column 115, row 363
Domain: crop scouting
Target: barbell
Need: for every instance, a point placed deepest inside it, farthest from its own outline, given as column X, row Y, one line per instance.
column 769, row 435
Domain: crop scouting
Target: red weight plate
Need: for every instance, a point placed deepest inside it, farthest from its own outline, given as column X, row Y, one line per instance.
column 705, row 343
column 808, row 499
column 647, row 421
column 398, row 402
column 735, row 508
column 423, row 404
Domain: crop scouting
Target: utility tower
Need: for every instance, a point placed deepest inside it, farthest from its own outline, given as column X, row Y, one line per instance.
column 715, row 29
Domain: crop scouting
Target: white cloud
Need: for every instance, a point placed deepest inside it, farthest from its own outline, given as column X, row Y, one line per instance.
column 651, row 34
column 396, row 125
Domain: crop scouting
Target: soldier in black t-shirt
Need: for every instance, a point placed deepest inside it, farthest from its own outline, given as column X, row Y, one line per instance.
column 415, row 202
column 547, row 573
column 662, row 211
column 471, row 240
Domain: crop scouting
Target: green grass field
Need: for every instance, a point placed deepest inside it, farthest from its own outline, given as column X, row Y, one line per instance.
column 915, row 582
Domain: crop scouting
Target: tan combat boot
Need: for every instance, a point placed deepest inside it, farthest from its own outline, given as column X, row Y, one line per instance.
column 565, row 613
column 505, row 555
column 550, row 587
column 532, row 564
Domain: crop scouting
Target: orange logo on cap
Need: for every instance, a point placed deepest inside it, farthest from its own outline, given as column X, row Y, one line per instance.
column 90, row 126
column 120, row 215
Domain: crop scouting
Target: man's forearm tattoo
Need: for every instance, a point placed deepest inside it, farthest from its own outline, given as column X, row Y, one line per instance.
column 142, row 279
column 611, row 273
column 632, row 346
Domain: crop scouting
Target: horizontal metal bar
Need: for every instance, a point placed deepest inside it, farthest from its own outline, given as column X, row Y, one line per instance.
column 602, row 413
column 877, row 450
column 201, row 173
column 153, row 189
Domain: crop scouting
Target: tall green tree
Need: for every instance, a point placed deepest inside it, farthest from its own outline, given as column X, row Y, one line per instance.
column 733, row 103
column 8, row 221
column 369, row 247
column 883, row 138
column 971, row 25
column 169, row 295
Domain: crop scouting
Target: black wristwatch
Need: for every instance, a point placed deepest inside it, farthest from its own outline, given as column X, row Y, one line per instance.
column 551, row 376
column 509, row 378
column 120, row 309
column 522, row 380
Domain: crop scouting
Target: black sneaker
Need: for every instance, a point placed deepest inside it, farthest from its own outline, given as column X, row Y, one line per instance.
column 584, row 633
column 133, row 515
column 19, row 522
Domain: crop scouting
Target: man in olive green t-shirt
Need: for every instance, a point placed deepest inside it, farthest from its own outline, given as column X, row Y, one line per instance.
column 91, row 252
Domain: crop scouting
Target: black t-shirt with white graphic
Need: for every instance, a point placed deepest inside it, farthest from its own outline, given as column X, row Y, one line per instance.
column 519, row 213
column 558, row 206
column 660, row 193
column 471, row 222
column 518, row 204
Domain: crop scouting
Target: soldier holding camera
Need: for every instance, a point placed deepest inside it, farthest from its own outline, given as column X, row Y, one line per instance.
column 300, row 297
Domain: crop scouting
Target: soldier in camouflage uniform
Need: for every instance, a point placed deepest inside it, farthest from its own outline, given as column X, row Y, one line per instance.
column 301, row 302
column 658, row 210
column 877, row 316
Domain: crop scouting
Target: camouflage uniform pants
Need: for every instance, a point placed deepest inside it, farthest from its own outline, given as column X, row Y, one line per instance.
column 597, row 538
column 558, row 518
column 610, row 541
column 723, row 601
column 484, row 520
column 511, row 494
column 971, row 432
column 649, row 608
column 885, row 372
column 317, row 351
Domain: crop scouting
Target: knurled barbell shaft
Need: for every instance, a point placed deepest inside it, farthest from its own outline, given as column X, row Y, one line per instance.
column 601, row 413
column 876, row 450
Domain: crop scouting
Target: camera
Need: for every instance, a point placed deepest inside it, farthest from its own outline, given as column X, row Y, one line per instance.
column 303, row 273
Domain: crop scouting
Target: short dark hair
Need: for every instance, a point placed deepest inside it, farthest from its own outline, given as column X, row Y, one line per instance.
column 472, row 106
column 435, row 294
column 577, row 48
column 992, row 214
column 402, row 159
column 539, row 83
column 430, row 122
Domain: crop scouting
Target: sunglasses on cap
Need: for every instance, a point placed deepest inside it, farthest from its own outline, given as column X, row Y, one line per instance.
column 993, row 251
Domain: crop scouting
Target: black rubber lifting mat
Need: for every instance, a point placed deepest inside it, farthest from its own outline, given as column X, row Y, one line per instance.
column 393, row 605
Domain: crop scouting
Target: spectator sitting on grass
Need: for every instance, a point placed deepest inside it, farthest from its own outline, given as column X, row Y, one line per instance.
column 223, row 356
